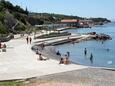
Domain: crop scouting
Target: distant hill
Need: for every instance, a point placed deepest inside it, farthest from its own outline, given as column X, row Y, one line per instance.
column 52, row 18
column 14, row 19
column 55, row 18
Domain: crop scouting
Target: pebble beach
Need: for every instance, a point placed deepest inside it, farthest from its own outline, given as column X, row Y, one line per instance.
column 20, row 62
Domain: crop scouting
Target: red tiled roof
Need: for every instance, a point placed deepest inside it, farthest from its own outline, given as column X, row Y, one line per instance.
column 69, row 20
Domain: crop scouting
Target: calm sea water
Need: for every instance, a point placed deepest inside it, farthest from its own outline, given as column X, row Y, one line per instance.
column 103, row 53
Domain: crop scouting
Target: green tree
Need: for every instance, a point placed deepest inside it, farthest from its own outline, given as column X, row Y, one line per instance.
column 3, row 30
column 2, row 15
column 6, row 4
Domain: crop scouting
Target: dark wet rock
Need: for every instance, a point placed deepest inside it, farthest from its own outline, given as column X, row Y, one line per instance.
column 102, row 37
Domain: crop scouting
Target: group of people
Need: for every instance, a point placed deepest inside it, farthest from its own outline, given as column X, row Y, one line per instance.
column 64, row 60
column 59, row 54
column 29, row 40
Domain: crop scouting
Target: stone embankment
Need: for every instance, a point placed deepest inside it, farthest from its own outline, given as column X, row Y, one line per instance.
column 73, row 39
column 62, row 40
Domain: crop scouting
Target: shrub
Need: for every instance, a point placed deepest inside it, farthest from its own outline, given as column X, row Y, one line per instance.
column 3, row 30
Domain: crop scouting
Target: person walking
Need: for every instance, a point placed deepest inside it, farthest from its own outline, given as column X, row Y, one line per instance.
column 27, row 39
column 30, row 40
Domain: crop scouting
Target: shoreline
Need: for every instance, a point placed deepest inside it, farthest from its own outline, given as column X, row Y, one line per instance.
column 78, row 39
column 23, row 61
column 56, row 57
column 67, row 71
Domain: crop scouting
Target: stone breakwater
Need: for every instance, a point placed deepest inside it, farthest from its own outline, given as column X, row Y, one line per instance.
column 100, row 36
column 65, row 39
column 74, row 38
column 49, row 49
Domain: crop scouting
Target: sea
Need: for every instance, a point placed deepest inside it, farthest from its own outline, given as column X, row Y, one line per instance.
column 103, row 52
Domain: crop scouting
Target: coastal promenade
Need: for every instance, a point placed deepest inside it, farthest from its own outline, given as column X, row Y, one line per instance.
column 20, row 62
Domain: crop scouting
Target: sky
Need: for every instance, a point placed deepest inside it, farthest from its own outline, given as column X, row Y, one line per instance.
column 82, row 8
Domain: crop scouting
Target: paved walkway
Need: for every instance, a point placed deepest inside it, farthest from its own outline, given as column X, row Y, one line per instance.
column 19, row 62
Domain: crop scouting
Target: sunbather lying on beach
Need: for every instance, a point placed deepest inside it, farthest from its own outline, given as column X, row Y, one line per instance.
column 42, row 57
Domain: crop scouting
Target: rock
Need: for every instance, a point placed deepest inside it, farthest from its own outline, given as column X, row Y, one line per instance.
column 102, row 37
column 92, row 33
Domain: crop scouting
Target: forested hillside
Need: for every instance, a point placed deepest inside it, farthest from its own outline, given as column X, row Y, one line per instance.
column 15, row 19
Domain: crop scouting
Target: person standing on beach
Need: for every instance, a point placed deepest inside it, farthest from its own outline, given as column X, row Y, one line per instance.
column 85, row 51
column 27, row 39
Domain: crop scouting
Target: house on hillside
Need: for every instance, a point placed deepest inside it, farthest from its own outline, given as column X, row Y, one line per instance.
column 70, row 22
column 77, row 23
